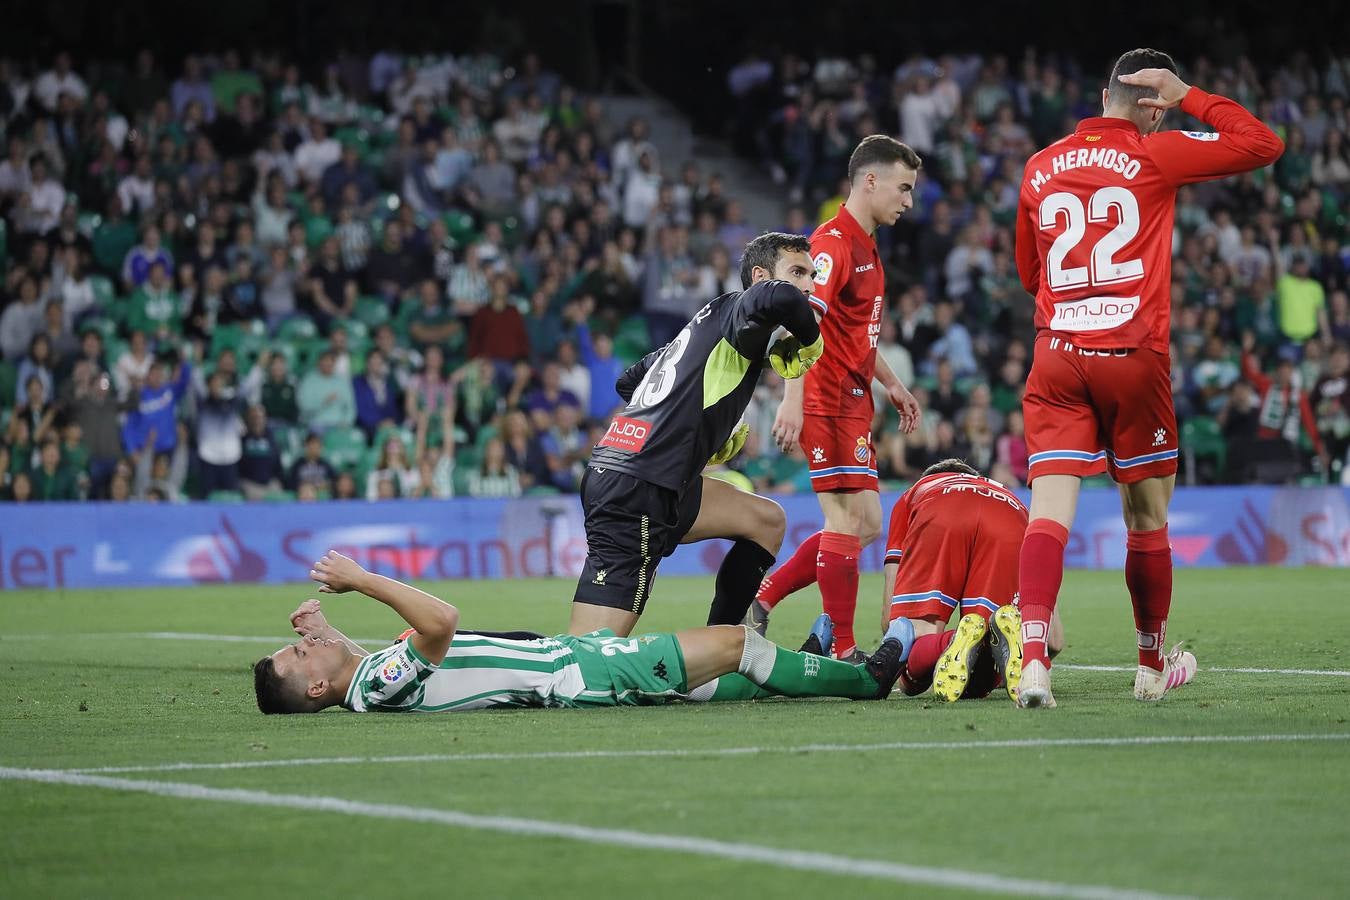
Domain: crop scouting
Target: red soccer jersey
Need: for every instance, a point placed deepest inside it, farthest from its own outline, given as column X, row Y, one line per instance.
column 925, row 501
column 847, row 294
column 1094, row 221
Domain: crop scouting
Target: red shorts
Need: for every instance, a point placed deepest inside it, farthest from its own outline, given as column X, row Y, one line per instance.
column 1089, row 411
column 962, row 558
column 840, row 454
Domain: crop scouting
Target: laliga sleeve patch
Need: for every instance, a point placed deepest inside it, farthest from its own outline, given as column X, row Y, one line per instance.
column 824, row 266
column 396, row 668
column 1202, row 135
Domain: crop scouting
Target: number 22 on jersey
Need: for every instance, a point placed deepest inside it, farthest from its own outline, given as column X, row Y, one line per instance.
column 1103, row 268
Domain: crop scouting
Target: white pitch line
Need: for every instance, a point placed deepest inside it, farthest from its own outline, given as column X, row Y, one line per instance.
column 1025, row 743
column 264, row 639
column 801, row 860
column 1329, row 673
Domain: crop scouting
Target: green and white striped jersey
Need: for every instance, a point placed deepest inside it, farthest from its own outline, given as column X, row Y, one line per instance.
column 477, row 673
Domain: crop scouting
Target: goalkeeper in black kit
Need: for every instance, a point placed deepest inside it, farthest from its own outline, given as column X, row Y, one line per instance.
column 644, row 493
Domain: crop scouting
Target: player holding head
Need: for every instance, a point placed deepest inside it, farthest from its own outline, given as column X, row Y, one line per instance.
column 830, row 411
column 1094, row 246
column 644, row 493
column 435, row 667
column 953, row 544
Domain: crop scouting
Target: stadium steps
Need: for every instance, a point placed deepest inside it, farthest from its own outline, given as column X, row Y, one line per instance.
column 764, row 202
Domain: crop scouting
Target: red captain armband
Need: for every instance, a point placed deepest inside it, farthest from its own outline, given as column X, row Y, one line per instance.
column 627, row 434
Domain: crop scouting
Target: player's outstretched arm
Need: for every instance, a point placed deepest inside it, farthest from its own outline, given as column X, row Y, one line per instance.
column 433, row 619
column 308, row 619
column 1242, row 142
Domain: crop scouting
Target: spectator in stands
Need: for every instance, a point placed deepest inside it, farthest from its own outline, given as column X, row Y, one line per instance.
column 260, row 469
column 347, row 172
column 37, row 364
column 495, row 476
column 1302, row 300
column 433, row 323
column 378, row 402
column 50, row 479
column 150, row 423
column 311, row 469
column 393, row 267
column 497, row 330
column 220, row 429
column 39, row 208
column 953, row 344
column 1330, row 400
column 670, row 286
column 331, row 290
column 1285, row 414
column 524, row 451
column 141, row 258
column 21, row 319
column 392, row 471
column 325, row 398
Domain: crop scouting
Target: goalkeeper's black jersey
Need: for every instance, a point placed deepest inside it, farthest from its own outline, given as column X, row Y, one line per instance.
column 685, row 399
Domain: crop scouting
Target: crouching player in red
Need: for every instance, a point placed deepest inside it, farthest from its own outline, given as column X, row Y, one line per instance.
column 953, row 545
column 1094, row 246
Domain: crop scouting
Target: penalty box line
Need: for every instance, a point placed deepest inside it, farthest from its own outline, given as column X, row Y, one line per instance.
column 915, row 746
column 800, row 860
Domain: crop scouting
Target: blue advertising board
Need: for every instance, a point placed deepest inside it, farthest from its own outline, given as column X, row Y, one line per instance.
column 78, row 545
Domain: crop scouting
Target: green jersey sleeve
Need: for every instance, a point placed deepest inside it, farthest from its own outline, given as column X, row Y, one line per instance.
column 391, row 680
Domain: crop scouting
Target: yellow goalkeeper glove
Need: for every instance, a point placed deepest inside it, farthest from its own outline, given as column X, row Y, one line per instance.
column 791, row 360
column 732, row 446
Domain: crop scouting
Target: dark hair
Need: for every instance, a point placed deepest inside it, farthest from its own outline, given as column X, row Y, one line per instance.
column 273, row 693
column 953, row 465
column 881, row 149
column 1129, row 95
column 764, row 251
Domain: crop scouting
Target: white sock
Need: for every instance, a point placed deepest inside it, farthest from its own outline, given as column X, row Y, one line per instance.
column 758, row 657
column 703, row 693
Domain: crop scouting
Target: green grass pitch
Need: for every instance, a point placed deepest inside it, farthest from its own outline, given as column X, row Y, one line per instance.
column 84, row 686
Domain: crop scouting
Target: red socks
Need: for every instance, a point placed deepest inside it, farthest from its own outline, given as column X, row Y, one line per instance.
column 837, row 572
column 1148, row 575
column 923, row 656
column 797, row 573
column 1041, row 571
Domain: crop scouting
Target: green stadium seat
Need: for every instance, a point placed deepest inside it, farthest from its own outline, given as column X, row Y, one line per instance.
column 1202, row 440
column 460, row 225
column 104, row 292
column 344, row 447
column 279, row 496
column 226, row 337
column 297, row 329
column 460, row 480
column 9, row 383
column 225, row 497
column 632, row 341
column 371, row 311
column 106, row 328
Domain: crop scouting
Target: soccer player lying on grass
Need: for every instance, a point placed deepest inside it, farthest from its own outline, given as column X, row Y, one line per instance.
column 434, row 668
column 953, row 544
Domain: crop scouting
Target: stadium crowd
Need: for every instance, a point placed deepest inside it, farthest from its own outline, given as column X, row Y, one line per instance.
column 412, row 277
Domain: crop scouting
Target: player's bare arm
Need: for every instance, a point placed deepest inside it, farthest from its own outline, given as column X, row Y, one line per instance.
column 308, row 620
column 1171, row 89
column 433, row 619
column 899, row 396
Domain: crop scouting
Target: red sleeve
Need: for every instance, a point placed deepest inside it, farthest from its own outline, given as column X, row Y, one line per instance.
column 1309, row 421
column 833, row 264
column 1252, row 372
column 522, row 336
column 1028, row 257
column 895, row 538
column 476, row 334
column 1241, row 142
